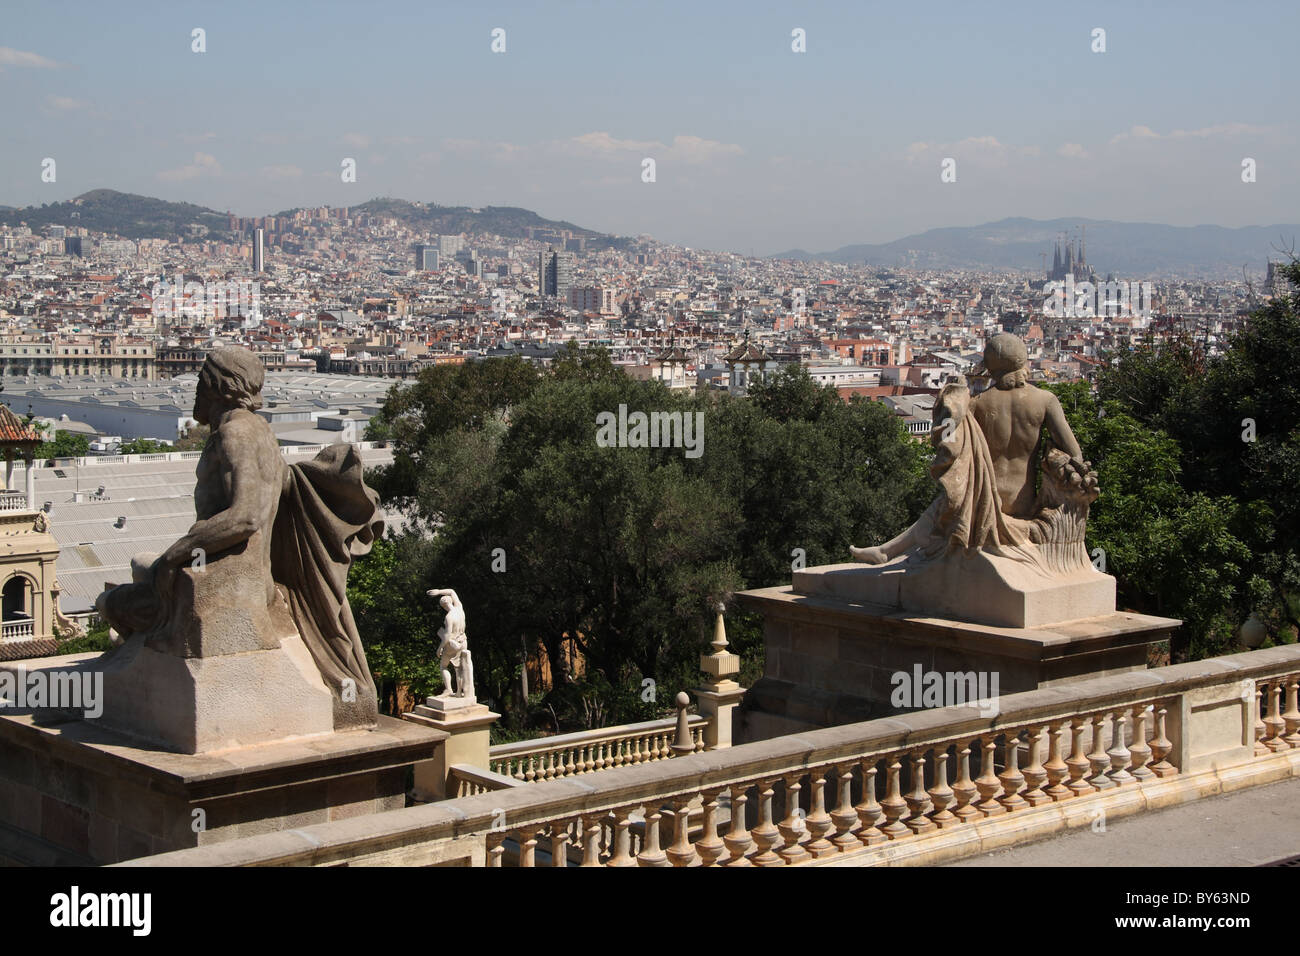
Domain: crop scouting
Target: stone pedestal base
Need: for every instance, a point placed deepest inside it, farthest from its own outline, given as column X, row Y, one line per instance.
column 75, row 793
column 831, row 661
column 199, row 704
column 981, row 587
column 467, row 725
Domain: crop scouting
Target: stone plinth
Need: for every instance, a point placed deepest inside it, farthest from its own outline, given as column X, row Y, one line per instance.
column 831, row 661
column 75, row 793
column 468, row 727
column 198, row 704
column 981, row 587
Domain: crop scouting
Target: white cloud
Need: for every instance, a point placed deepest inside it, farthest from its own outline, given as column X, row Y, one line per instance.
column 65, row 103
column 1072, row 151
column 204, row 164
column 21, row 58
column 685, row 149
column 281, row 172
column 359, row 140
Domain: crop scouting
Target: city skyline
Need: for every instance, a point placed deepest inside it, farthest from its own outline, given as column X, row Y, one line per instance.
column 757, row 148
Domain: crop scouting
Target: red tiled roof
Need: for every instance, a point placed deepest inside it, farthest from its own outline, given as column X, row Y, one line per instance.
column 13, row 431
column 22, row 650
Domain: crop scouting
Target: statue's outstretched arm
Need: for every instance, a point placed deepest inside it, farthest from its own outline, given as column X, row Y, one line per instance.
column 439, row 592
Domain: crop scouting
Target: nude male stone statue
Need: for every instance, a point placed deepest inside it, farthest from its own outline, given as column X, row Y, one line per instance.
column 453, row 649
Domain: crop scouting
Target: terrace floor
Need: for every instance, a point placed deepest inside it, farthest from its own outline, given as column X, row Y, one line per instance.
column 1251, row 827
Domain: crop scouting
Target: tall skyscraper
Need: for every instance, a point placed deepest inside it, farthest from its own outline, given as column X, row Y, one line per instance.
column 259, row 238
column 555, row 273
column 450, row 245
column 426, row 258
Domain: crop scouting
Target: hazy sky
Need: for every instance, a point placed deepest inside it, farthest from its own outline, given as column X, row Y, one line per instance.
column 755, row 146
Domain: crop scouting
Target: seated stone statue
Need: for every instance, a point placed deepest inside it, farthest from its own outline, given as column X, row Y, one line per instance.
column 988, row 450
column 266, row 558
column 1029, row 534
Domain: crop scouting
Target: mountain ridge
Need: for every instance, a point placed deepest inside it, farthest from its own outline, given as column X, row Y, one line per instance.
column 1121, row 248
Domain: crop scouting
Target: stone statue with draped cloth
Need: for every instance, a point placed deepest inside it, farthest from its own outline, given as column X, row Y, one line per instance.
column 264, row 565
column 1010, row 515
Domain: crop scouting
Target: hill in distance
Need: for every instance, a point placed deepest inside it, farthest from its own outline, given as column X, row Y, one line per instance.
column 1129, row 250
column 142, row 217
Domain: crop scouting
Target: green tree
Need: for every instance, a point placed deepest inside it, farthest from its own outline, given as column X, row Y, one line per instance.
column 65, row 445
column 143, row 446
column 556, row 542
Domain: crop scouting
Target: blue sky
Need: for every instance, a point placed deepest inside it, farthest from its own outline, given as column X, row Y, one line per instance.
column 756, row 147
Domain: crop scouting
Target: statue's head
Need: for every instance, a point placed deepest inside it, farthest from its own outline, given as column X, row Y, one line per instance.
column 232, row 377
column 1006, row 360
column 445, row 601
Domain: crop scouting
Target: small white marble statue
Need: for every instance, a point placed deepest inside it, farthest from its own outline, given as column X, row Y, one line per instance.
column 453, row 648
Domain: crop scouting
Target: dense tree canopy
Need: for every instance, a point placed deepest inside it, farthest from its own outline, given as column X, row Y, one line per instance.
column 556, row 542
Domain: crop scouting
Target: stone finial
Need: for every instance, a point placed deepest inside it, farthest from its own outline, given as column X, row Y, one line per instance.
column 682, row 743
column 721, row 666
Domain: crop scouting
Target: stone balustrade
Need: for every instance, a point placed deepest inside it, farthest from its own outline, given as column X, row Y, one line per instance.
column 14, row 501
column 920, row 787
column 586, row 751
column 468, row 780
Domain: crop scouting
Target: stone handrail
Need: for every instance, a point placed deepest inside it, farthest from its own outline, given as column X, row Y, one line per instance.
column 466, row 780
column 17, row 630
column 565, row 755
column 856, row 794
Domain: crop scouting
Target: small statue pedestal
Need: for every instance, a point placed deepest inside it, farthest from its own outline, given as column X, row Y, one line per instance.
column 468, row 725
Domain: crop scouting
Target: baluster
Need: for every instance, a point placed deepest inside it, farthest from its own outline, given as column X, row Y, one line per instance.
column 1056, row 768
column 987, row 782
column 710, row 846
column 738, row 841
column 1160, row 747
column 622, row 855
column 819, row 821
column 844, row 815
column 651, row 854
column 964, row 789
column 495, row 848
column 766, row 836
column 681, row 853
column 589, row 755
column 1011, row 778
column 868, row 809
column 1275, row 724
column 792, row 828
column 592, row 827
column 567, row 768
column 941, row 794
column 1036, row 773
column 560, row 843
column 1098, row 759
column 894, row 806
column 528, row 847
column 1292, row 716
column 1139, row 748
column 917, row 800
column 1260, row 748
column 697, row 736
column 531, row 773
column 1119, row 753
column 1078, row 761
